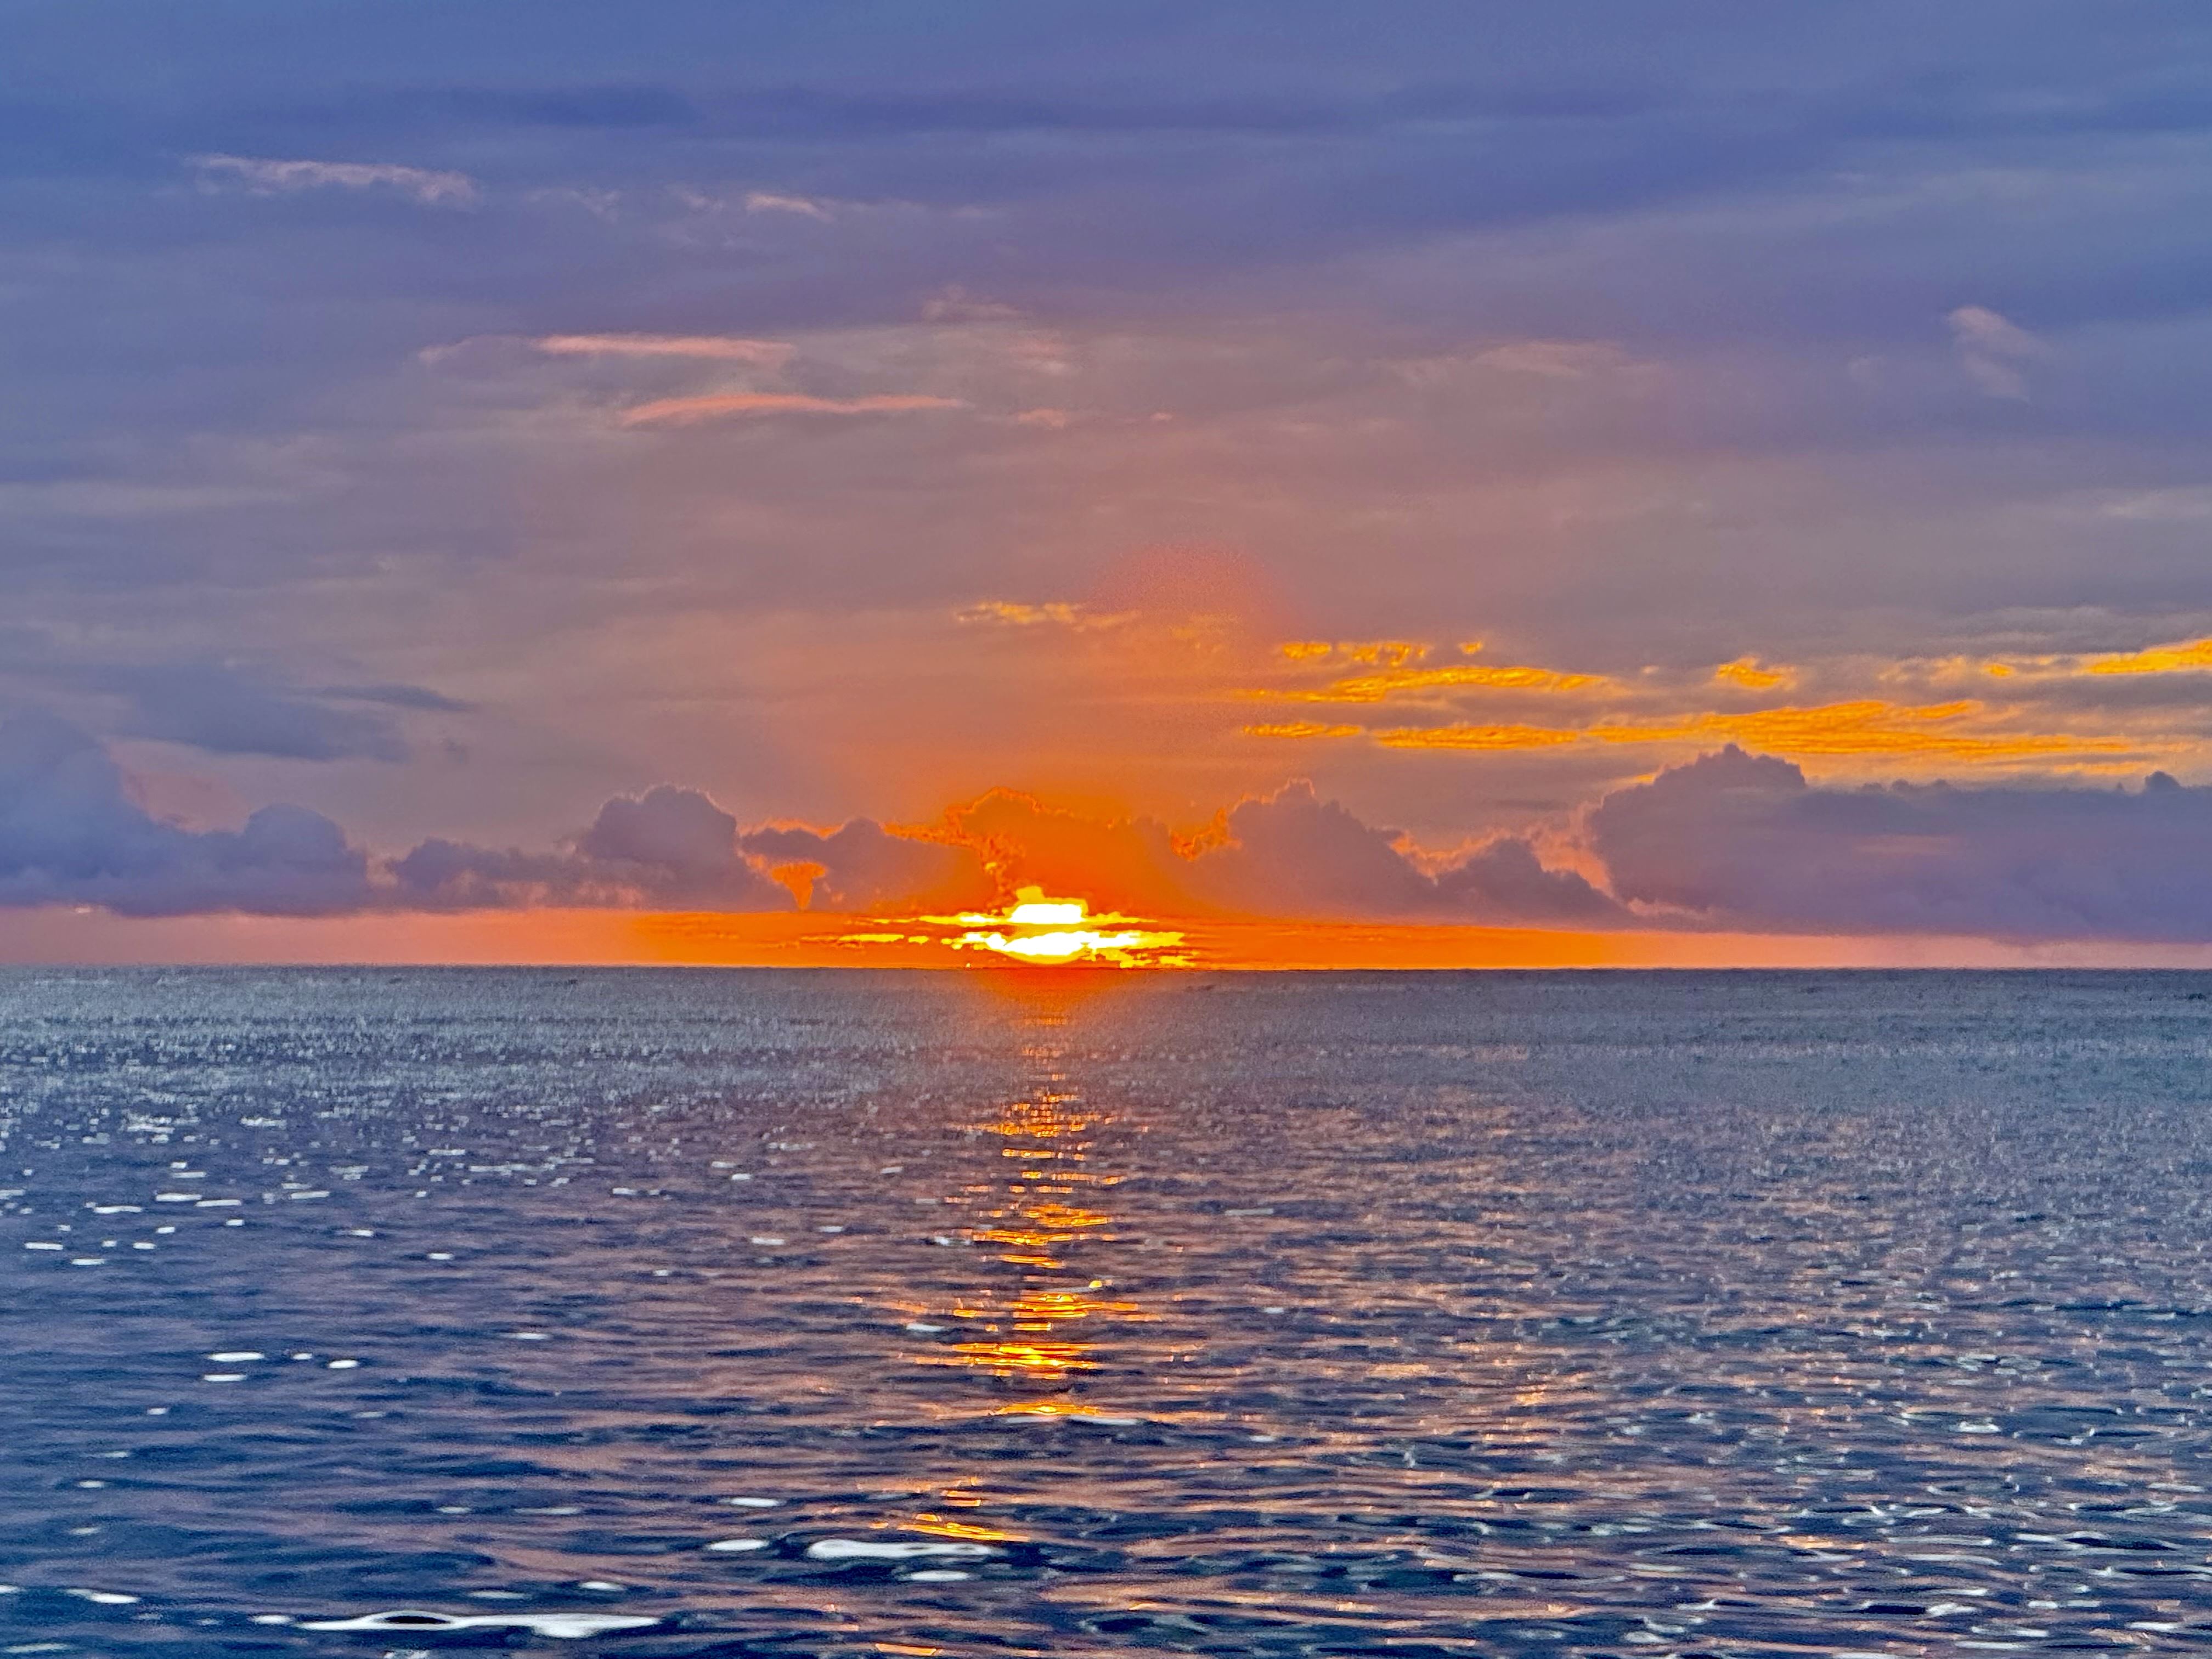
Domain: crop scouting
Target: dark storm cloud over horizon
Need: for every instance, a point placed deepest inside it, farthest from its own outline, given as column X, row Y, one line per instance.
column 1635, row 338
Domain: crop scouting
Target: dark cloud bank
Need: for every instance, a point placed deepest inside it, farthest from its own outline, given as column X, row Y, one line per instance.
column 71, row 834
column 1745, row 838
column 1732, row 839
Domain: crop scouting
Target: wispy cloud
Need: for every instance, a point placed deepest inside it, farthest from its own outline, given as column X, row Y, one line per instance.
column 1753, row 674
column 1397, row 669
column 2159, row 659
column 1556, row 360
column 2184, row 504
column 1861, row 728
column 1393, row 682
column 770, row 201
column 1056, row 613
column 1994, row 349
column 708, row 348
column 685, row 412
column 265, row 176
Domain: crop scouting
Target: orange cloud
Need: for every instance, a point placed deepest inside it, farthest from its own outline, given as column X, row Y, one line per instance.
column 1112, row 862
column 1390, row 682
column 1865, row 728
column 2181, row 656
column 684, row 411
column 1301, row 729
column 1390, row 654
column 1747, row 671
column 1868, row 727
column 1478, row 737
column 2157, row 659
column 1057, row 613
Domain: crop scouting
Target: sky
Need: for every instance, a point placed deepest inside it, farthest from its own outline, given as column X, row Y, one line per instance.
column 1421, row 483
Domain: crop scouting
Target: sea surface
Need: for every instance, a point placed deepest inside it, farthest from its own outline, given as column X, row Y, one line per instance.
column 1004, row 1313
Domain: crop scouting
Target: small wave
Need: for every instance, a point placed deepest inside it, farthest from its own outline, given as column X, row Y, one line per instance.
column 565, row 1627
column 862, row 1549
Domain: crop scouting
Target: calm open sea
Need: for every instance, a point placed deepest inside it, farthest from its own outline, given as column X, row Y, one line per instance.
column 692, row 1313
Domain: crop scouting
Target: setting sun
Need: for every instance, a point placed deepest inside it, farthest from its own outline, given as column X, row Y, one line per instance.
column 1051, row 932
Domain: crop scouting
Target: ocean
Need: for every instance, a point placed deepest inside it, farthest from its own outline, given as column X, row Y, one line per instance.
column 1073, row 1313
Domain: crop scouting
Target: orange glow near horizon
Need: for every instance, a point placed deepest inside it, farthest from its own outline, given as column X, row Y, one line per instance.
column 797, row 938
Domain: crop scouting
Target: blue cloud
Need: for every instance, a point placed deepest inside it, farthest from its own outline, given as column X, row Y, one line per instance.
column 70, row 834
column 1745, row 841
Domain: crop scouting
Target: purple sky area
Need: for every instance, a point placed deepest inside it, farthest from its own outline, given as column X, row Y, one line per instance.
column 1587, row 465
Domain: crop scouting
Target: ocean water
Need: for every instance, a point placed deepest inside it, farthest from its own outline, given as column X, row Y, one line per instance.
column 662, row 1314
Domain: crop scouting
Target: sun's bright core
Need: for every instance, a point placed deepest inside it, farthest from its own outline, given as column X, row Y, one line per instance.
column 1044, row 912
column 1050, row 932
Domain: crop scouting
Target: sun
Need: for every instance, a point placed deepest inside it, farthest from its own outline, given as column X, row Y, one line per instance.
column 1054, row 932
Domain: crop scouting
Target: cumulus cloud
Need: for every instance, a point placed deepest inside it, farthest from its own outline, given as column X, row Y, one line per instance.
column 1732, row 839
column 70, row 834
column 1745, row 841
column 1504, row 881
column 265, row 176
column 669, row 848
column 861, row 867
column 1293, row 854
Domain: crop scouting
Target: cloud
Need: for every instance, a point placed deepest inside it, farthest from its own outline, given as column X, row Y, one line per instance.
column 1557, row 360
column 1505, row 881
column 685, row 412
column 2178, row 504
column 708, row 347
column 862, row 867
column 2191, row 655
column 1863, row 728
column 265, row 177
column 1732, row 839
column 1753, row 674
column 1306, row 729
column 1394, row 681
column 1011, row 613
column 1993, row 349
column 669, row 848
column 768, row 201
column 397, row 697
column 229, row 713
column 1872, row 726
column 1744, row 841
column 1464, row 735
column 1293, row 853
column 70, row 834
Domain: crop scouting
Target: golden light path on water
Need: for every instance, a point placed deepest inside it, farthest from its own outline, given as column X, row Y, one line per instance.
column 1051, row 932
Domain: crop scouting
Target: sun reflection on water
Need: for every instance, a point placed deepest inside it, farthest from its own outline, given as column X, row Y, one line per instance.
column 1038, row 1324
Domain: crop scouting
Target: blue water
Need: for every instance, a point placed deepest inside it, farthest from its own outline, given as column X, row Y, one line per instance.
column 653, row 1314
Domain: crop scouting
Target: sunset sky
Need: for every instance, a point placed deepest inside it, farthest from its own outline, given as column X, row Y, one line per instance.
column 1570, row 483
